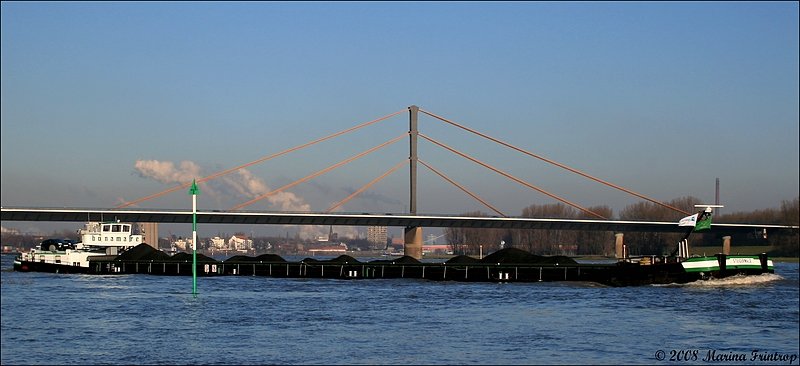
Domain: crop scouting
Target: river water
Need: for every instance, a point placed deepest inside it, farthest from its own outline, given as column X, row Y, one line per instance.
column 143, row 319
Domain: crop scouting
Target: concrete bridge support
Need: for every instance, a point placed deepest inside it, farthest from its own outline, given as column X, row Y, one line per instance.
column 619, row 242
column 726, row 245
column 413, row 242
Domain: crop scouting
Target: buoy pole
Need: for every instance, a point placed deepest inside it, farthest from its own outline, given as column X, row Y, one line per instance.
column 194, row 191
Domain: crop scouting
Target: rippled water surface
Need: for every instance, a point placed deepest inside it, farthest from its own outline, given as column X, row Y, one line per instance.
column 142, row 319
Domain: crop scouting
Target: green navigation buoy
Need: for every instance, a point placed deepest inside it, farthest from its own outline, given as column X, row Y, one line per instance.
column 194, row 191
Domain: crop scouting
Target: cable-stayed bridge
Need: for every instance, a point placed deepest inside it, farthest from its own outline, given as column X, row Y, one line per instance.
column 411, row 220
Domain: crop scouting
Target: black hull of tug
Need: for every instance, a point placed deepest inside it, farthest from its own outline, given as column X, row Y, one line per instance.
column 25, row 266
column 631, row 274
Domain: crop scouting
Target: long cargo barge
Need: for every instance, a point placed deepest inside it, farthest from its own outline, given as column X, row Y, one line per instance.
column 507, row 265
column 113, row 248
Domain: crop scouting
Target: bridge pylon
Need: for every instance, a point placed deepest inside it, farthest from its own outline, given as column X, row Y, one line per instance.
column 412, row 237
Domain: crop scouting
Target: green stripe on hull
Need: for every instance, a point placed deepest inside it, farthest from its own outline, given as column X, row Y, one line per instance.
column 710, row 264
column 700, row 264
column 701, row 269
column 749, row 267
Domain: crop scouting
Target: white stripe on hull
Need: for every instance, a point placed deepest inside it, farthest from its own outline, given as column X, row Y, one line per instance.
column 731, row 263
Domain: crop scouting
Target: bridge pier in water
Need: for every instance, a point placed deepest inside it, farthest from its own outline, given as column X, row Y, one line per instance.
column 413, row 242
column 726, row 245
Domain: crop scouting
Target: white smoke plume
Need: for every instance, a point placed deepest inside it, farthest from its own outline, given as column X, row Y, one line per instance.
column 165, row 171
column 249, row 186
column 238, row 187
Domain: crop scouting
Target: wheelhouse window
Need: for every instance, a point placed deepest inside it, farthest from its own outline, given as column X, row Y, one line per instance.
column 116, row 228
column 106, row 228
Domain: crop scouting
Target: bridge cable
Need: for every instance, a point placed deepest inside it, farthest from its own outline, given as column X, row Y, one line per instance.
column 462, row 188
column 555, row 163
column 231, row 170
column 366, row 186
column 323, row 171
column 509, row 176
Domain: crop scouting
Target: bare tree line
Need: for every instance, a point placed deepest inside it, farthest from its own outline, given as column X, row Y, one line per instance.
column 470, row 241
column 785, row 244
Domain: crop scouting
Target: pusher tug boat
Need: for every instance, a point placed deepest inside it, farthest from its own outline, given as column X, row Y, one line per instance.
column 99, row 240
column 681, row 267
column 721, row 265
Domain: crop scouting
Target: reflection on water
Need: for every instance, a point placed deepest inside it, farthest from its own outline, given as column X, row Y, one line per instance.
column 143, row 319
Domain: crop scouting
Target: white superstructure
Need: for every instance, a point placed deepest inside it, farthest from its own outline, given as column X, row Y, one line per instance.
column 97, row 239
column 114, row 234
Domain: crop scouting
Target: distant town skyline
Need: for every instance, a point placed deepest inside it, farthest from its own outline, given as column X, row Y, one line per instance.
column 104, row 103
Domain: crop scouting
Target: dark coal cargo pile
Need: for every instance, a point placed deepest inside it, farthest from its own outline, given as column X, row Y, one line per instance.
column 462, row 259
column 512, row 256
column 342, row 259
column 188, row 257
column 144, row 252
column 505, row 256
column 402, row 260
column 265, row 258
column 519, row 256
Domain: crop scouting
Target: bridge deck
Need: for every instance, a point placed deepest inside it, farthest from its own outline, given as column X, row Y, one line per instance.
column 352, row 219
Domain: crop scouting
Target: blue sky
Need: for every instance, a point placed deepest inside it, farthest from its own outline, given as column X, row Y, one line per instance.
column 99, row 98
